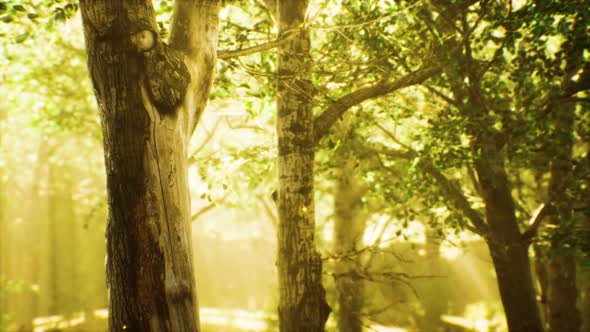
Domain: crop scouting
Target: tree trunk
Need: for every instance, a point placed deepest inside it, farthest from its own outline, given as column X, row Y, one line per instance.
column 27, row 244
column 540, row 272
column 512, row 266
column 435, row 292
column 62, row 262
column 562, row 294
column 349, row 226
column 508, row 248
column 4, row 238
column 148, row 111
column 563, row 315
column 584, row 282
column 302, row 304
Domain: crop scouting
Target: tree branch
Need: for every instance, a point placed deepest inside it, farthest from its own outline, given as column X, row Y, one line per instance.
column 270, row 210
column 206, row 140
column 459, row 201
column 324, row 121
column 450, row 191
column 540, row 213
column 202, row 211
column 194, row 31
column 474, row 180
column 207, row 208
column 222, row 54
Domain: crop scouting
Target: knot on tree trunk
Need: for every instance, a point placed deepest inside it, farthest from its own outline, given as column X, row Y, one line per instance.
column 167, row 74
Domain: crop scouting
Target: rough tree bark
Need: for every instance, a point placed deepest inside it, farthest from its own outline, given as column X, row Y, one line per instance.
column 148, row 109
column 302, row 304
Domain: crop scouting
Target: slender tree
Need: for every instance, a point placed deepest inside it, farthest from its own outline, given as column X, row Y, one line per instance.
column 150, row 96
column 302, row 304
column 349, row 227
column 4, row 239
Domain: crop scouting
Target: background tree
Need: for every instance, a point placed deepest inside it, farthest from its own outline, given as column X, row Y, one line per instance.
column 349, row 227
column 474, row 77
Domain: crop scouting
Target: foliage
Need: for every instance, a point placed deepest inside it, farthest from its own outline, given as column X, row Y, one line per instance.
column 514, row 58
column 28, row 16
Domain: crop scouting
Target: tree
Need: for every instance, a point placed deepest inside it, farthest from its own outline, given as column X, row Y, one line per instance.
column 349, row 227
column 559, row 247
column 302, row 303
column 500, row 129
column 4, row 264
column 481, row 110
column 150, row 96
column 563, row 315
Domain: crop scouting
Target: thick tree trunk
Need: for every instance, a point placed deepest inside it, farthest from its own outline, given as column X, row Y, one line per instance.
column 302, row 304
column 508, row 248
column 512, row 266
column 562, row 294
column 146, row 126
column 349, row 226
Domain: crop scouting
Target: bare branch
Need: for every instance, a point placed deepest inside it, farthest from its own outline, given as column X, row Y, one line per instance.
column 194, row 31
column 364, row 23
column 222, row 54
column 207, row 208
column 202, row 211
column 205, row 142
column 540, row 213
column 575, row 100
column 441, row 95
column 269, row 210
column 474, row 179
column 324, row 121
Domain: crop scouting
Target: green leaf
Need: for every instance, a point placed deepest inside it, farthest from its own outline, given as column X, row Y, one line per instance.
column 20, row 8
column 60, row 16
column 32, row 16
column 6, row 18
column 21, row 38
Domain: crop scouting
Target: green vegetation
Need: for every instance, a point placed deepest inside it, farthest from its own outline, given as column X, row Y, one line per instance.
column 416, row 165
